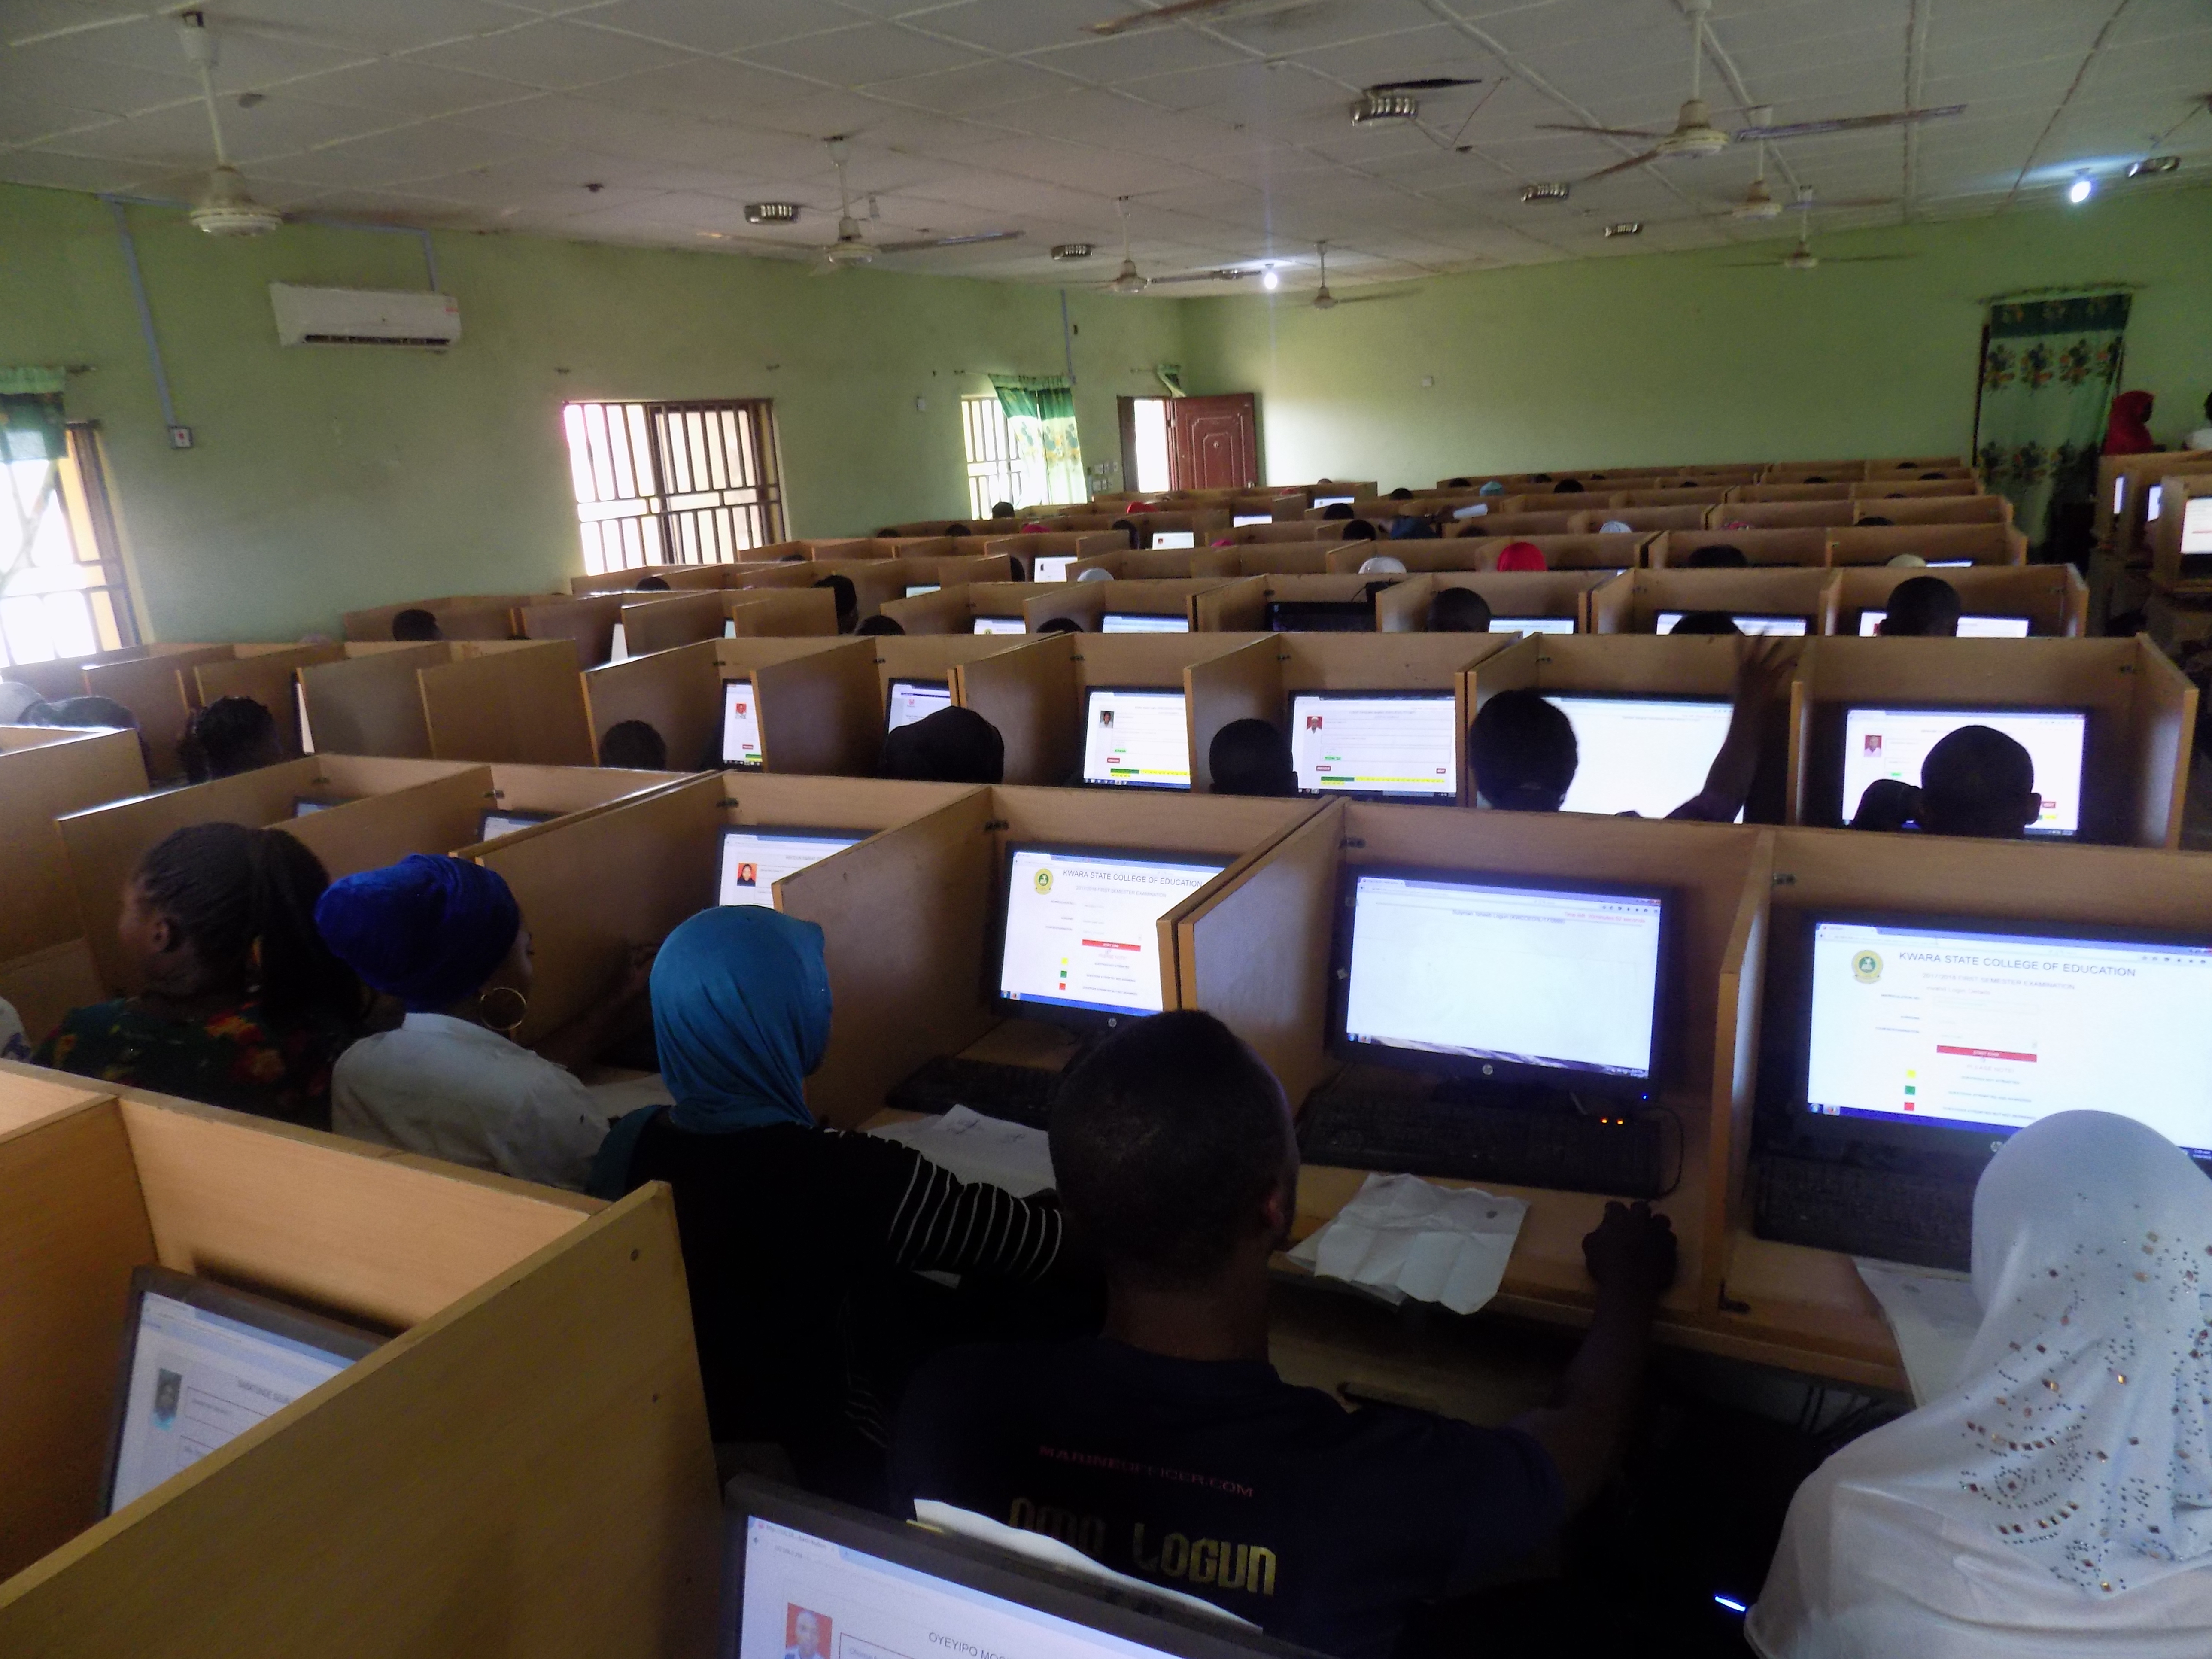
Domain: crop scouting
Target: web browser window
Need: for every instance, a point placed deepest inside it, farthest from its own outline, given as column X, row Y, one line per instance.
column 1970, row 628
column 1000, row 625
column 1894, row 742
column 741, row 732
column 1051, row 567
column 1238, row 520
column 1143, row 622
column 753, row 860
column 1970, row 1030
column 1082, row 928
column 1136, row 736
column 915, row 590
column 2197, row 526
column 1642, row 755
column 914, row 700
column 1174, row 539
column 1378, row 745
column 1746, row 623
column 2153, row 503
column 1532, row 624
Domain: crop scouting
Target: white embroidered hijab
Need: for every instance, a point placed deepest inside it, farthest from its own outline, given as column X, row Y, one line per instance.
column 2057, row 1499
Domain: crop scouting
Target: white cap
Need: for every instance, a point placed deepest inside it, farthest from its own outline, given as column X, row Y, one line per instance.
column 1097, row 573
column 1384, row 565
column 1615, row 526
column 1903, row 559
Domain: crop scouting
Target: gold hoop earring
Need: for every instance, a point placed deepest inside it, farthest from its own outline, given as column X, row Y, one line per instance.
column 505, row 1028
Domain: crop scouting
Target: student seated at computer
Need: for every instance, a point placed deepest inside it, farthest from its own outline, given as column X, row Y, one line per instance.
column 652, row 585
column 1251, row 758
column 635, row 746
column 881, row 625
column 445, row 938
column 1705, row 621
column 1522, row 751
column 2056, row 1498
column 1358, row 529
column 1458, row 611
column 847, row 599
column 799, row 1243
column 1718, row 556
column 953, row 746
column 231, row 735
column 1925, row 607
column 1521, row 556
column 415, row 624
column 234, row 1000
column 1188, row 1461
column 1338, row 510
column 1002, row 509
column 1975, row 781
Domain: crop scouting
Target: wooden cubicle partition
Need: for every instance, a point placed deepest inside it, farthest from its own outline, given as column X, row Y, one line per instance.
column 588, row 622
column 663, row 623
column 821, row 707
column 381, row 827
column 1033, row 695
column 944, row 611
column 1293, row 532
column 1641, row 518
column 523, row 706
column 1785, row 515
column 1799, row 547
column 47, row 983
column 2052, row 597
column 1390, row 662
column 460, row 616
column 1023, row 549
column 47, row 773
column 1901, row 488
column 782, row 612
column 1632, row 602
column 270, row 679
column 373, row 704
column 677, row 693
column 2142, row 710
column 1822, row 489
column 1238, row 606
column 1403, row 607
column 954, row 570
column 161, row 691
column 1307, row 556
column 1243, row 683
column 1553, row 522
column 1479, row 552
column 2124, row 501
column 1936, row 544
column 931, row 656
column 2180, row 538
column 481, row 1507
column 1936, row 509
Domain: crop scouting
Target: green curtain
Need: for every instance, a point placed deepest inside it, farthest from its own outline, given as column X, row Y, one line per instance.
column 31, row 414
column 1047, row 455
column 2047, row 377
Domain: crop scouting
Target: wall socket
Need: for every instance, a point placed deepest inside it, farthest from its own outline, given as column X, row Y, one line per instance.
column 180, row 437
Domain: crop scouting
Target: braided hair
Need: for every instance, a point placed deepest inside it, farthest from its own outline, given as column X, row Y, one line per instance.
column 226, row 889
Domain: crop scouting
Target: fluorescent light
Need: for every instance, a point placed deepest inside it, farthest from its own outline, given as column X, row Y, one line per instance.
column 2080, row 191
column 1270, row 281
column 1730, row 1603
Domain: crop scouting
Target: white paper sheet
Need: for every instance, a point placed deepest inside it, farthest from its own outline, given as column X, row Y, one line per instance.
column 979, row 1148
column 1933, row 1315
column 1064, row 1558
column 1401, row 1236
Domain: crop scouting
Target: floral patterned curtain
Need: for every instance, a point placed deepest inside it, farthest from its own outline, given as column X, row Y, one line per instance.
column 1040, row 420
column 2048, row 372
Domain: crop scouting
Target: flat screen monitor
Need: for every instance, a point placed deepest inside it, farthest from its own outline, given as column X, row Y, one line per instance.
column 1000, row 625
column 2153, row 503
column 1399, row 744
column 1642, row 755
column 618, row 644
column 308, row 806
column 1988, row 1026
column 1135, row 735
column 1238, row 520
column 1332, row 501
column 2119, row 494
column 2197, row 526
column 1143, row 622
column 1082, row 925
column 1174, row 538
column 915, row 590
column 754, row 860
column 1747, row 622
column 1051, row 567
column 741, row 726
column 914, row 700
column 1894, row 742
column 1532, row 624
column 1950, row 564
column 492, row 825
column 202, row 1364
column 1321, row 616
column 307, row 732
column 1970, row 628
column 1507, row 980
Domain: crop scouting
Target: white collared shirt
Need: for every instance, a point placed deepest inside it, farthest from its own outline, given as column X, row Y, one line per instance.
column 455, row 1091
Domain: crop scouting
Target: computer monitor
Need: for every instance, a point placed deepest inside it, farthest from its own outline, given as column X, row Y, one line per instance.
column 1747, row 622
column 1080, row 930
column 805, row 1576
column 1501, row 979
column 1403, row 744
column 741, row 726
column 1950, row 564
column 618, row 644
column 1970, row 628
column 2119, row 494
column 1332, row 501
column 914, row 699
column 1143, row 622
column 1913, row 1026
column 1000, row 625
column 1642, row 755
column 1894, row 742
column 915, row 590
column 1051, row 567
column 2153, row 503
column 1321, row 616
column 1532, row 624
column 1174, row 538
column 2196, row 526
column 203, row 1364
column 1238, row 520
column 755, row 859
column 492, row 825
column 306, row 806
column 1135, row 735
column 307, row 732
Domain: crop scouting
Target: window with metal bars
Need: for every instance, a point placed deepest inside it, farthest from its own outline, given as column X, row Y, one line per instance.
column 673, row 483
column 63, row 592
column 994, row 471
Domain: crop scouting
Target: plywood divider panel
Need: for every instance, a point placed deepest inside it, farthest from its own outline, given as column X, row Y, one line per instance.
column 593, row 889
column 822, row 711
column 622, row 581
column 1938, row 509
column 945, row 612
column 2052, row 597
column 677, row 693
column 1782, row 515
column 434, row 817
column 1246, row 683
column 587, row 624
column 372, row 705
column 2162, row 740
column 71, row 1228
column 906, row 919
column 1305, row 557
column 460, row 616
column 271, row 678
column 159, row 690
column 523, row 707
column 662, row 624
column 968, row 570
column 1641, row 518
column 1082, row 603
column 804, row 611
column 1985, row 544
column 66, row 772
column 30, row 1094
column 1239, row 607
column 1914, row 488
column 1797, row 547
column 1738, row 1003
column 1032, row 694
column 46, row 984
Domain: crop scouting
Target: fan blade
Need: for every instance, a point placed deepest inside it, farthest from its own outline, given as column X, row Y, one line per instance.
column 1434, row 83
column 1865, row 258
column 1621, row 166
column 1850, row 123
column 1603, row 132
column 1842, row 202
column 1223, row 276
column 1173, row 14
column 947, row 242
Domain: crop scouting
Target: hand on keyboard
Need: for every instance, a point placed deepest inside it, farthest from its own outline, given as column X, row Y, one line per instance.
column 1631, row 1250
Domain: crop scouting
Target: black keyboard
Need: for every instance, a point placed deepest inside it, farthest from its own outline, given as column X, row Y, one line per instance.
column 1927, row 1220
column 1521, row 1146
column 1019, row 1094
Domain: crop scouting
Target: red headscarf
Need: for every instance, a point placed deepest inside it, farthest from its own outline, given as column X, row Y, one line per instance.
column 2128, row 433
column 1521, row 556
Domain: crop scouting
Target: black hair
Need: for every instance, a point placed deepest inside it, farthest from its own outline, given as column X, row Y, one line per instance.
column 1356, row 530
column 1816, row 478
column 847, row 598
column 958, row 530
column 953, row 746
column 1401, row 494
column 416, row 623
column 1461, row 484
column 229, row 736
column 227, row 889
column 880, row 624
column 889, row 533
column 1251, row 758
column 1931, row 477
column 1166, row 1140
column 1875, row 519
column 1976, row 781
column 635, row 746
column 1721, row 556
column 652, row 585
column 1922, row 606
column 1002, row 509
column 1060, row 625
column 1539, row 478
column 1522, row 752
column 1705, row 622
column 1568, row 487
column 791, row 558
column 87, row 711
column 1458, row 611
column 1137, row 538
column 1337, row 510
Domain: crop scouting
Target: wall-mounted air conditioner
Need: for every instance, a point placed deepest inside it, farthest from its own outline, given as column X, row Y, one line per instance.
column 364, row 316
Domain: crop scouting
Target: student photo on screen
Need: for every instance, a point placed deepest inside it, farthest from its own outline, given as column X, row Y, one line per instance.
column 805, row 1633
column 168, row 1389
column 1105, row 717
column 748, row 875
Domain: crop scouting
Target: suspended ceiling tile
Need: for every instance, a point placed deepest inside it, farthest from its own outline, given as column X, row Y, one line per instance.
column 401, row 86
column 554, row 56
column 861, row 54
column 1018, row 25
column 715, row 26
column 990, row 87
column 1125, row 59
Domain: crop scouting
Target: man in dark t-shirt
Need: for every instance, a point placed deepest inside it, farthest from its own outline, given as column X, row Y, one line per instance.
column 1169, row 1449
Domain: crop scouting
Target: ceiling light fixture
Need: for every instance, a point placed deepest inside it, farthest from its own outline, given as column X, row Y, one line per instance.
column 2080, row 190
column 227, row 209
column 771, row 213
column 1070, row 251
column 1269, row 280
column 2153, row 164
column 1626, row 227
column 1544, row 193
column 1384, row 106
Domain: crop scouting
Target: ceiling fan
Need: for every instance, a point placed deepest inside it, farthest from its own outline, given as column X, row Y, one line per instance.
column 1801, row 258
column 1758, row 204
column 1693, row 133
column 1324, row 300
column 853, row 247
column 227, row 209
column 1130, row 280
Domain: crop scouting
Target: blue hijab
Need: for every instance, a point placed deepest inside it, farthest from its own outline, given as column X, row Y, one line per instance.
column 741, row 1015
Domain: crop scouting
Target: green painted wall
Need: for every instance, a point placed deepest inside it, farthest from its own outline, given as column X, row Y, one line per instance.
column 1678, row 357
column 325, row 479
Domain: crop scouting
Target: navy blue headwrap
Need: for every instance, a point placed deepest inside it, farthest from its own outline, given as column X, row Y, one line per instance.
column 426, row 930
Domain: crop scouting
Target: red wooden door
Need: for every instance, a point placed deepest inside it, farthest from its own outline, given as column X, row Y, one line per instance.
column 1213, row 443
